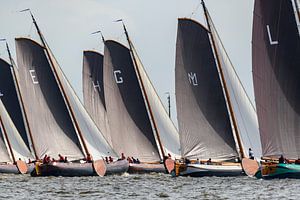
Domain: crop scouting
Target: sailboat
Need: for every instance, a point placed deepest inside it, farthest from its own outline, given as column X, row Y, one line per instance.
column 139, row 125
column 276, row 72
column 13, row 132
column 213, row 108
column 58, row 121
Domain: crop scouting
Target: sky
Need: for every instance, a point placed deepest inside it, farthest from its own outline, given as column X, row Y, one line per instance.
column 152, row 25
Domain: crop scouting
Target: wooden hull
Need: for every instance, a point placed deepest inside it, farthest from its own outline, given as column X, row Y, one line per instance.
column 280, row 171
column 9, row 169
column 78, row 169
column 144, row 168
column 118, row 167
column 201, row 170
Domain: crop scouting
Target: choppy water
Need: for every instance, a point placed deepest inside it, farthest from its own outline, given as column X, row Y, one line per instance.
column 151, row 186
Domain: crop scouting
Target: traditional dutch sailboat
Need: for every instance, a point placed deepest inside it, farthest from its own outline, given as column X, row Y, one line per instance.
column 276, row 72
column 63, row 125
column 12, row 123
column 213, row 108
column 139, row 125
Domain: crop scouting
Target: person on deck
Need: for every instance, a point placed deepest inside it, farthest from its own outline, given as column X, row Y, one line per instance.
column 106, row 160
column 45, row 159
column 197, row 161
column 251, row 154
column 208, row 161
column 66, row 159
column 61, row 158
column 281, row 160
column 138, row 161
column 297, row 162
column 123, row 156
column 133, row 159
column 129, row 160
column 111, row 159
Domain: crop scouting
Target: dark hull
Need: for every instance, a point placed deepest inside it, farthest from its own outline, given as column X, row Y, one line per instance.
column 279, row 171
column 146, row 168
column 9, row 169
column 118, row 167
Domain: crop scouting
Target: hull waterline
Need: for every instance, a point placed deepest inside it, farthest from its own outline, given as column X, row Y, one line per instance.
column 144, row 168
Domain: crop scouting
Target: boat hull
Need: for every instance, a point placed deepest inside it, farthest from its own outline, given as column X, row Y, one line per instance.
column 78, row 169
column 279, row 171
column 9, row 169
column 144, row 168
column 201, row 170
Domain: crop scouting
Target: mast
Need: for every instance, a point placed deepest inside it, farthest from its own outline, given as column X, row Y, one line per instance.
column 297, row 9
column 238, row 137
column 145, row 94
column 21, row 101
column 60, row 85
column 7, row 141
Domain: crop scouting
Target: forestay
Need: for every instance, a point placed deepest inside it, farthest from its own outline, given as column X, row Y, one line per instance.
column 19, row 148
column 204, row 123
column 165, row 128
column 130, row 126
column 276, row 72
column 244, row 111
column 51, row 127
column 93, row 90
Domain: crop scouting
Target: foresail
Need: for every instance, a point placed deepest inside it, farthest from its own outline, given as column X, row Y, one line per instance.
column 130, row 126
column 204, row 124
column 97, row 145
column 93, row 90
column 19, row 148
column 244, row 111
column 167, row 132
column 9, row 97
column 4, row 155
column 51, row 127
column 276, row 72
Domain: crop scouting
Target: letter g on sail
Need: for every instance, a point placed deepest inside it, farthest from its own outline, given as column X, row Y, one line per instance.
column 193, row 78
column 118, row 77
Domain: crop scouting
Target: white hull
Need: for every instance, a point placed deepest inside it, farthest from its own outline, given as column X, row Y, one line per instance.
column 199, row 170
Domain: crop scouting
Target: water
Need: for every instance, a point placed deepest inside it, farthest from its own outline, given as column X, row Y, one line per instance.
column 150, row 186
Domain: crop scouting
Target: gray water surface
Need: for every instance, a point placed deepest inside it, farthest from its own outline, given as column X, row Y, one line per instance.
column 150, row 186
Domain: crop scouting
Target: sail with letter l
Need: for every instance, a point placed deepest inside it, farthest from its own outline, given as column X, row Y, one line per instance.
column 276, row 72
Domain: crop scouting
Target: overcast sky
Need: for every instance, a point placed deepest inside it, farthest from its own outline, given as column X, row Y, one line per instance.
column 152, row 25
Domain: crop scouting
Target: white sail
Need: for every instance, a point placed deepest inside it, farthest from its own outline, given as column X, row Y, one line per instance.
column 167, row 132
column 244, row 111
column 18, row 146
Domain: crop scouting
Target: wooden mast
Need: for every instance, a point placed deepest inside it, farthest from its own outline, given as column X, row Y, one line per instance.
column 297, row 9
column 61, row 87
column 145, row 94
column 21, row 101
column 224, row 84
column 7, row 141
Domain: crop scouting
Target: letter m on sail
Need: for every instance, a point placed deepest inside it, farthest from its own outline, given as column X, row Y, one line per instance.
column 193, row 78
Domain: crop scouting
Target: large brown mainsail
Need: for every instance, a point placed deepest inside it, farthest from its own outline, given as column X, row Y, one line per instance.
column 93, row 90
column 276, row 72
column 130, row 126
column 204, row 122
column 51, row 126
column 9, row 97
